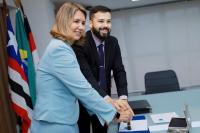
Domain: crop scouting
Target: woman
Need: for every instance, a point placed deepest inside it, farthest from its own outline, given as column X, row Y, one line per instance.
column 60, row 82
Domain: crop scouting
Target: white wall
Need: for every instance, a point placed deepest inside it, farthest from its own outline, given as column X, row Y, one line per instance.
column 158, row 38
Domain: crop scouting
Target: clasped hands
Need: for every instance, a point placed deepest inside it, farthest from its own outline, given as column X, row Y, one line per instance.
column 123, row 108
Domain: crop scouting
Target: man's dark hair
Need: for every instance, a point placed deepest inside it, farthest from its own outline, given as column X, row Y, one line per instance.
column 96, row 9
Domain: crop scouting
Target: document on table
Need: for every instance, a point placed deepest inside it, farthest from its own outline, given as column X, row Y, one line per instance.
column 158, row 127
column 163, row 117
column 136, row 125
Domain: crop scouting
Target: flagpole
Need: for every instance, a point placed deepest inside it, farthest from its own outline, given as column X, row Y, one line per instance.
column 17, row 3
column 5, row 8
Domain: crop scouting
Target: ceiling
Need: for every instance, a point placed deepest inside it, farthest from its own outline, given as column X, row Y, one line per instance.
column 116, row 4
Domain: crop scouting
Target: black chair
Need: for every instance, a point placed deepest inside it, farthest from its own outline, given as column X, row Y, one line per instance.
column 161, row 81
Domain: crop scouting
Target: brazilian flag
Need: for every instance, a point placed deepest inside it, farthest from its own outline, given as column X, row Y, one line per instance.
column 25, row 55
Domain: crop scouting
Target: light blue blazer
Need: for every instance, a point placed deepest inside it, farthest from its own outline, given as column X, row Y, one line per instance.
column 60, row 84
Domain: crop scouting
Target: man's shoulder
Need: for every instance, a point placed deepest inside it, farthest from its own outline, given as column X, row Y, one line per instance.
column 112, row 38
column 112, row 41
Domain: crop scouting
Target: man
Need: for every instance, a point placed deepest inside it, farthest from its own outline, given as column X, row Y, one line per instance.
column 97, row 58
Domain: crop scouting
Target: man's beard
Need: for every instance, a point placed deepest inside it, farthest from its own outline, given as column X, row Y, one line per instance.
column 98, row 35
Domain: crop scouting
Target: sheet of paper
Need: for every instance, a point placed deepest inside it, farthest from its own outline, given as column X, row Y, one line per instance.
column 158, row 127
column 196, row 124
column 163, row 117
column 136, row 125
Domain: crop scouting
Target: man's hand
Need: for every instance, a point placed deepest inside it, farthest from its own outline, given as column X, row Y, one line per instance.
column 124, row 106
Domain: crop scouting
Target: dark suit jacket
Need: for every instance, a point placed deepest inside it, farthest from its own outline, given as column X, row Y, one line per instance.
column 87, row 56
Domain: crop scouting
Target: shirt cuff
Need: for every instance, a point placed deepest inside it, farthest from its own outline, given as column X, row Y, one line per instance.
column 123, row 97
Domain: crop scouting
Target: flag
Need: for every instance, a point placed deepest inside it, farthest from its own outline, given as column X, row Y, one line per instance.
column 31, row 42
column 18, row 84
column 25, row 54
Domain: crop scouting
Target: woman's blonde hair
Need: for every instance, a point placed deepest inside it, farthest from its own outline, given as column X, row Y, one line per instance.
column 64, row 18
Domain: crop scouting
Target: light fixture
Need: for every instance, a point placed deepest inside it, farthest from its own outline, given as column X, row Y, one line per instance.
column 134, row 0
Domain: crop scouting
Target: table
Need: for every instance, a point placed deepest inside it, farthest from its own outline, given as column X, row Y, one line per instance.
column 170, row 102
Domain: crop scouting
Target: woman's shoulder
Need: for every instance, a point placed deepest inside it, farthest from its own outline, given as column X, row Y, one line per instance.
column 56, row 44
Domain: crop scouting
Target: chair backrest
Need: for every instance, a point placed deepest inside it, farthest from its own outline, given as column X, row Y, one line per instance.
column 161, row 81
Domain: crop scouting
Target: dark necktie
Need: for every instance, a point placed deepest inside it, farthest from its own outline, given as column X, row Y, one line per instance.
column 102, row 72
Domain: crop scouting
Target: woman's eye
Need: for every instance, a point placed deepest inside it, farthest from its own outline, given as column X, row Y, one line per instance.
column 76, row 21
column 101, row 21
